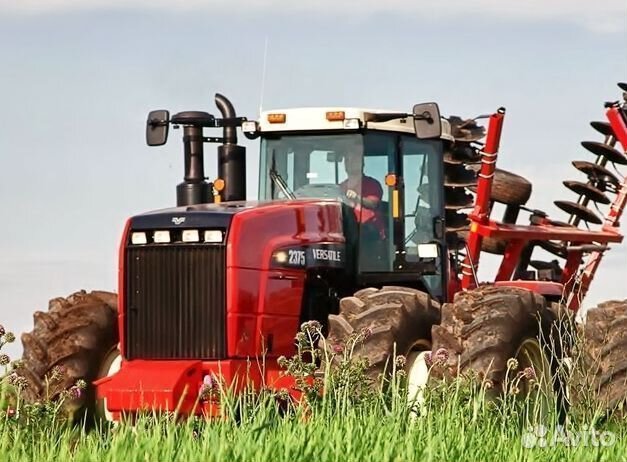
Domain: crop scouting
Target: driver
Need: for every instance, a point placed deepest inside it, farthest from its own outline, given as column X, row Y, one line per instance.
column 364, row 194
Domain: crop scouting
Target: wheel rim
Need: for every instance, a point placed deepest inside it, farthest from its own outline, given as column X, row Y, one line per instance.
column 110, row 366
column 417, row 379
column 530, row 354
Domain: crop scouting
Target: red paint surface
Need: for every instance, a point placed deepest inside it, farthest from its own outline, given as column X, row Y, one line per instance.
column 264, row 303
column 175, row 385
column 481, row 211
column 546, row 288
column 263, row 307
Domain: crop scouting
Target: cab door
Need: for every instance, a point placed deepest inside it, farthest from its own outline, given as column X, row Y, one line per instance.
column 423, row 205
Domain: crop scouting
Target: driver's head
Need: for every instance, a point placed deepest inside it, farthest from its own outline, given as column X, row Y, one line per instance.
column 352, row 163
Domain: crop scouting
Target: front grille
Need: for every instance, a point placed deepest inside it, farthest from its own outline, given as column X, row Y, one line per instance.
column 175, row 301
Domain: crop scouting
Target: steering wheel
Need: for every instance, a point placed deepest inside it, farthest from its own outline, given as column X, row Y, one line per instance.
column 320, row 191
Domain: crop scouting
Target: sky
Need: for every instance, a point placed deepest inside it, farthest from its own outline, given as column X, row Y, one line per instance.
column 77, row 79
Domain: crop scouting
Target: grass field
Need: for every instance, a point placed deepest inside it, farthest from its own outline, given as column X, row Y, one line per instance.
column 457, row 423
column 461, row 419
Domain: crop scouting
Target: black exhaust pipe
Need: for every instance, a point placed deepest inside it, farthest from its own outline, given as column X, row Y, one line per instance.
column 231, row 157
column 194, row 189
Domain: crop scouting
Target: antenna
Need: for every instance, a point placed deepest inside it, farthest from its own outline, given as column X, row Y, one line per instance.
column 263, row 74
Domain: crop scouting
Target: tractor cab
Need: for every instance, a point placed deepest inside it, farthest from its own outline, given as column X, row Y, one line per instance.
column 388, row 180
column 386, row 170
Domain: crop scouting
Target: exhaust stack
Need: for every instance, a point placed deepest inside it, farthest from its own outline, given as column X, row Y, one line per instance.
column 231, row 157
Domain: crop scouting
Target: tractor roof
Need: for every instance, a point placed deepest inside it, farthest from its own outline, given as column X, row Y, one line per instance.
column 317, row 118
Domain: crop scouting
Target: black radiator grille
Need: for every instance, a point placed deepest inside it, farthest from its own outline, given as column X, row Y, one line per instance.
column 175, row 301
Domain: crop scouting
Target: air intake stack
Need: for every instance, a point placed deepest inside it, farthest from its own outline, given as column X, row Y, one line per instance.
column 195, row 189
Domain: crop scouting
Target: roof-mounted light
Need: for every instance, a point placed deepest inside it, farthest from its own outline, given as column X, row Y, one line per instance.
column 336, row 116
column 277, row 118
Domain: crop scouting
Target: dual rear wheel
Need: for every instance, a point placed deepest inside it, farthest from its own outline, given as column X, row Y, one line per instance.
column 495, row 334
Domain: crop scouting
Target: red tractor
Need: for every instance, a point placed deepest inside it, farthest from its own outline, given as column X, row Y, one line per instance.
column 360, row 225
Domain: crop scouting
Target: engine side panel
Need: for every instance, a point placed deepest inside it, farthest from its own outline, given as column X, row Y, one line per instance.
column 264, row 300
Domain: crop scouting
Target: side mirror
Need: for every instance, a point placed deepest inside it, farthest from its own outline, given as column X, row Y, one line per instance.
column 427, row 123
column 157, row 127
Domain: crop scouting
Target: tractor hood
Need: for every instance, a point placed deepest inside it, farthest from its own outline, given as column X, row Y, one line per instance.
column 251, row 230
column 206, row 216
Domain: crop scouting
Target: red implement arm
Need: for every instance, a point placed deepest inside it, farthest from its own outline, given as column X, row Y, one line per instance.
column 481, row 213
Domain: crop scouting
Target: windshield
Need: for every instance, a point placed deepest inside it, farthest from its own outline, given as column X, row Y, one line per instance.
column 306, row 165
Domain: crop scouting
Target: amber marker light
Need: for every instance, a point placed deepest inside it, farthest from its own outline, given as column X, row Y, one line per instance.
column 390, row 180
column 336, row 116
column 278, row 118
column 218, row 184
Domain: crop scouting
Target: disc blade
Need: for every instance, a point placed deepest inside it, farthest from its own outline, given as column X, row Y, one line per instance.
column 451, row 159
column 579, row 211
column 603, row 128
column 596, row 172
column 457, row 176
column 456, row 199
column 600, row 149
column 456, row 221
column 465, row 152
column 588, row 191
column 465, row 130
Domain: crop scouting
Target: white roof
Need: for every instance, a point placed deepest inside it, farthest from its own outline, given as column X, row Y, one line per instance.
column 315, row 118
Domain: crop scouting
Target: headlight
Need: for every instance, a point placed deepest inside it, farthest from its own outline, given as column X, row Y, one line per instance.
column 191, row 235
column 281, row 257
column 213, row 235
column 427, row 251
column 161, row 237
column 138, row 238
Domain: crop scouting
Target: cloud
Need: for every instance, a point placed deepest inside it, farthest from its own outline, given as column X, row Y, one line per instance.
column 607, row 16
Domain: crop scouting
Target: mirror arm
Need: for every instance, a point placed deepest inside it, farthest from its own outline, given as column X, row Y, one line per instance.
column 424, row 116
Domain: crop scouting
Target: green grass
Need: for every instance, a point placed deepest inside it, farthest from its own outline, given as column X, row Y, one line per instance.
column 460, row 420
column 458, row 424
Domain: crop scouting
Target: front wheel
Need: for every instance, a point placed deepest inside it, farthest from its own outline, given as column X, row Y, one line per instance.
column 71, row 341
column 394, row 322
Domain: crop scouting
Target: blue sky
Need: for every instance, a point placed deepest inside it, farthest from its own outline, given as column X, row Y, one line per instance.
column 77, row 79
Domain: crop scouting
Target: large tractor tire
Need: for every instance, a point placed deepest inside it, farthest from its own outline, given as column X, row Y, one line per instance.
column 78, row 335
column 601, row 369
column 484, row 329
column 489, row 244
column 397, row 320
column 509, row 188
column 493, row 245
